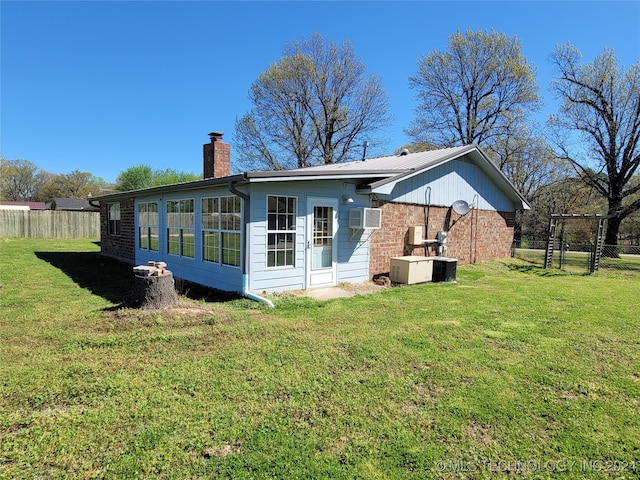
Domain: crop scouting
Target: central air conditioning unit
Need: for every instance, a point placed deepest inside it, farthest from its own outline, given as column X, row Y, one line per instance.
column 362, row 218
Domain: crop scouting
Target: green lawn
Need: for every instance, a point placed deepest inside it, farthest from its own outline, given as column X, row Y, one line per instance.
column 578, row 262
column 513, row 371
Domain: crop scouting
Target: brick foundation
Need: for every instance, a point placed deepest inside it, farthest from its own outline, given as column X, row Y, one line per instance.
column 121, row 247
column 480, row 235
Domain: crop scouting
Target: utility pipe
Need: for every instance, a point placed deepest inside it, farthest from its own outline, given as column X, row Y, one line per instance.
column 474, row 239
column 245, row 260
column 427, row 209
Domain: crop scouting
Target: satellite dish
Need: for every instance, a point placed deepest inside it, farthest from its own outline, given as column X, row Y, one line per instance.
column 461, row 207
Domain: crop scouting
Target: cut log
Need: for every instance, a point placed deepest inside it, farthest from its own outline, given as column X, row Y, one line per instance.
column 154, row 291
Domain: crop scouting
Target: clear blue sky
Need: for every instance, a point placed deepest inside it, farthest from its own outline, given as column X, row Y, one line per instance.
column 103, row 86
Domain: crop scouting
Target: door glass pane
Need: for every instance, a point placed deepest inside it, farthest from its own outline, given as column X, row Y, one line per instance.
column 322, row 249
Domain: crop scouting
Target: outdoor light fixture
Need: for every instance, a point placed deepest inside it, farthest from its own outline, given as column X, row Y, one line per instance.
column 346, row 199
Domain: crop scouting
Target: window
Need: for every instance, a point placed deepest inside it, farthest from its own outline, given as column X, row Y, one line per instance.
column 180, row 228
column 221, row 226
column 281, row 227
column 113, row 219
column 148, row 226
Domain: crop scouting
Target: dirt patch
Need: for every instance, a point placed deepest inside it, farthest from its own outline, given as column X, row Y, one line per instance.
column 182, row 313
column 362, row 288
column 483, row 435
column 188, row 309
column 342, row 290
column 223, row 450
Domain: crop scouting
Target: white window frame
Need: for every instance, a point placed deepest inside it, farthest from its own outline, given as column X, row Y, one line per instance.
column 148, row 226
column 180, row 225
column 113, row 219
column 224, row 227
column 281, row 231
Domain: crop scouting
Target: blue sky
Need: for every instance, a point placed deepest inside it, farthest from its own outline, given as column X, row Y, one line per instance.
column 103, row 86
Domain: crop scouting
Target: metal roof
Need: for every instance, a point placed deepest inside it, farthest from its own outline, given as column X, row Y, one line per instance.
column 389, row 165
column 382, row 172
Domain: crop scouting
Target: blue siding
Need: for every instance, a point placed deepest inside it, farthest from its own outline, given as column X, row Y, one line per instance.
column 353, row 247
column 353, row 258
column 222, row 277
column 444, row 184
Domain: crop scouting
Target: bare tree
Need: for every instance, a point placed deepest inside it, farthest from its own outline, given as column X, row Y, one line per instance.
column 479, row 91
column 529, row 162
column 597, row 128
column 482, row 91
column 277, row 132
column 567, row 193
column 316, row 105
column 532, row 166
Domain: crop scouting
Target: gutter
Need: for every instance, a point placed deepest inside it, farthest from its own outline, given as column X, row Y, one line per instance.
column 161, row 189
column 245, row 261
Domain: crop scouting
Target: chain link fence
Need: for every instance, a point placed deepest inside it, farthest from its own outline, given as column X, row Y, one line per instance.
column 577, row 257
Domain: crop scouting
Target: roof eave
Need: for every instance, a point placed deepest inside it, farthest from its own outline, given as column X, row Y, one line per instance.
column 195, row 185
column 288, row 175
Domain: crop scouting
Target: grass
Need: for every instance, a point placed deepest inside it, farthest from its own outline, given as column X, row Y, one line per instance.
column 512, row 371
column 578, row 262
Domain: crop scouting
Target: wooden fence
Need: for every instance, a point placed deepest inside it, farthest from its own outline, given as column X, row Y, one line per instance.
column 49, row 224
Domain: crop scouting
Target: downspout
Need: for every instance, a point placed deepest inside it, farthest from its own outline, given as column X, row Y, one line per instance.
column 475, row 201
column 245, row 250
column 427, row 209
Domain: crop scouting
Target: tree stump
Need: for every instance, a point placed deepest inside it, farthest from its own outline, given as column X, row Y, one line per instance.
column 154, row 291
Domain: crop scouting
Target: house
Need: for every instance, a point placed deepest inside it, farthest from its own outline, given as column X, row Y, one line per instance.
column 275, row 231
column 72, row 204
column 6, row 205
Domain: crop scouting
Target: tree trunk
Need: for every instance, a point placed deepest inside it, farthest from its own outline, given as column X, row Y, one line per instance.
column 517, row 229
column 611, row 238
column 154, row 292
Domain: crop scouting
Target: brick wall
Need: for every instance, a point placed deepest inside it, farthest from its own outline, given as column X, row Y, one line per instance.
column 121, row 247
column 480, row 235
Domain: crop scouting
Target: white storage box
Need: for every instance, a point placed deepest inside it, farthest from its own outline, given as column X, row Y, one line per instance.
column 411, row 269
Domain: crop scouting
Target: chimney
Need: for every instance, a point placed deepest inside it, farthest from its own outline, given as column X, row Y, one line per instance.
column 217, row 157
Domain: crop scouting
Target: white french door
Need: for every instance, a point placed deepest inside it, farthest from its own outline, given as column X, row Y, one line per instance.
column 321, row 252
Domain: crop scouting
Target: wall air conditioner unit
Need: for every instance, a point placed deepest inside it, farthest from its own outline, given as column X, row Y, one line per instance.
column 362, row 218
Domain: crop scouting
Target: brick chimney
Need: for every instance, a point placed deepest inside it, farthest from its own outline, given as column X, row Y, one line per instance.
column 217, row 157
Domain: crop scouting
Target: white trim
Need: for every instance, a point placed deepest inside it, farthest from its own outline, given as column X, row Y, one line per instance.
column 332, row 272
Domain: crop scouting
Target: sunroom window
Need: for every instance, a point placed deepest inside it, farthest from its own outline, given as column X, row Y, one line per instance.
column 180, row 228
column 221, row 228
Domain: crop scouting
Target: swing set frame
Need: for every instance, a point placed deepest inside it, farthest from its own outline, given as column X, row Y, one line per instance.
column 556, row 219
